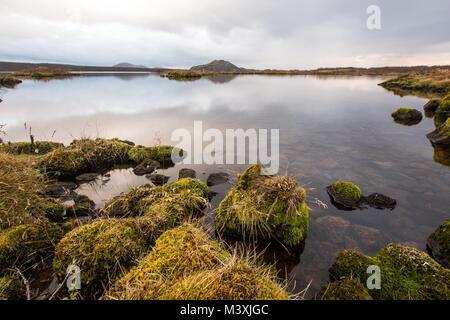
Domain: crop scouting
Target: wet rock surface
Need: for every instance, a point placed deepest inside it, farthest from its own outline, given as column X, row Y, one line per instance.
column 61, row 190
column 187, row 173
column 158, row 179
column 380, row 201
column 85, row 177
column 146, row 167
column 217, row 178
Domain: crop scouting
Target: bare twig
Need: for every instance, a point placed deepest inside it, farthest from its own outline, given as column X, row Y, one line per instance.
column 59, row 287
column 25, row 282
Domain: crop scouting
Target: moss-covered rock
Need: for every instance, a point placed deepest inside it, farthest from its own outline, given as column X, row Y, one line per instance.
column 39, row 147
column 264, row 207
column 407, row 116
column 11, row 288
column 189, row 194
column 438, row 244
column 444, row 107
column 346, row 194
column 185, row 264
column 441, row 155
column 431, row 106
column 9, row 82
column 26, row 245
column 441, row 136
column 85, row 155
column 161, row 154
column 347, row 289
column 406, row 273
column 104, row 249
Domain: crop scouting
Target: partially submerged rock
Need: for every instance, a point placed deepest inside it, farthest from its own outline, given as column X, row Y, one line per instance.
column 61, row 190
column 438, row 244
column 441, row 155
column 441, row 136
column 27, row 245
column 146, row 167
column 264, row 207
column 432, row 105
column 86, row 177
column 9, row 82
column 185, row 264
column 346, row 194
column 407, row 116
column 406, row 273
column 38, row 147
column 83, row 206
column 83, row 156
column 347, row 289
column 187, row 173
column 217, row 178
column 380, row 201
column 185, row 198
column 158, row 179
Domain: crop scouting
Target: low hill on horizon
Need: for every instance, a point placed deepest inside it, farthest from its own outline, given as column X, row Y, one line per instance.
column 218, row 66
column 128, row 65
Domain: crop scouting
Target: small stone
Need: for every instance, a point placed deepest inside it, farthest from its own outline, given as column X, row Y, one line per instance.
column 187, row 173
column 217, row 178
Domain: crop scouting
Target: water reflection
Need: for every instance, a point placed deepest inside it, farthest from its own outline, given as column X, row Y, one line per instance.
column 330, row 129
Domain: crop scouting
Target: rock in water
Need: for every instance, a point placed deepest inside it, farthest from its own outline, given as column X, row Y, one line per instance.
column 438, row 244
column 380, row 201
column 187, row 173
column 407, row 116
column 441, row 136
column 217, row 178
column 87, row 177
column 158, row 179
column 345, row 194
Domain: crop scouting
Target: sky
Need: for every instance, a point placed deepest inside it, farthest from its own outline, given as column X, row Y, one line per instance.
column 260, row 34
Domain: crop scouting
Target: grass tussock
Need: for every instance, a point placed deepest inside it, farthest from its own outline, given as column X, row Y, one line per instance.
column 20, row 185
column 264, row 207
column 185, row 264
column 37, row 148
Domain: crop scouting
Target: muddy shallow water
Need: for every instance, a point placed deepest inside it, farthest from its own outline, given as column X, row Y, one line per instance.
column 334, row 128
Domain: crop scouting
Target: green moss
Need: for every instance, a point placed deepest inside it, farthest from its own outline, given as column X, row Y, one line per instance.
column 402, row 111
column 445, row 104
column 442, row 234
column 9, row 82
column 406, row 273
column 26, row 245
column 161, row 154
column 263, row 207
column 347, row 289
column 347, row 190
column 85, row 155
column 185, row 264
column 104, row 249
column 39, row 147
column 54, row 210
column 11, row 288
column 189, row 194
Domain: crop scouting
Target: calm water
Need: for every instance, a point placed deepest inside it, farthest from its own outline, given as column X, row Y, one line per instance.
column 330, row 129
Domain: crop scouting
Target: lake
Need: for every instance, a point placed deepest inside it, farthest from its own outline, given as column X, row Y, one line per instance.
column 331, row 128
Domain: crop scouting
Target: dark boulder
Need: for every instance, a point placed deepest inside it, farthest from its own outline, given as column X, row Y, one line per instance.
column 217, row 178
column 438, row 244
column 61, row 190
column 407, row 116
column 380, row 201
column 146, row 167
column 158, row 179
column 187, row 173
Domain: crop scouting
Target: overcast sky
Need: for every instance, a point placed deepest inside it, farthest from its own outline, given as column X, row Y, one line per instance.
column 250, row 33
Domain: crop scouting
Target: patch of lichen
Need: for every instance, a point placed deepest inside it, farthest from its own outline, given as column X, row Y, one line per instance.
column 85, row 155
column 347, row 190
column 39, row 147
column 27, row 245
column 162, row 154
column 406, row 273
column 346, row 289
column 263, row 207
column 20, row 188
column 189, row 194
column 185, row 264
column 104, row 249
column 11, row 288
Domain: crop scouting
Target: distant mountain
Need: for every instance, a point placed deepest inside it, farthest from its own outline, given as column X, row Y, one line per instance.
column 128, row 65
column 218, row 66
